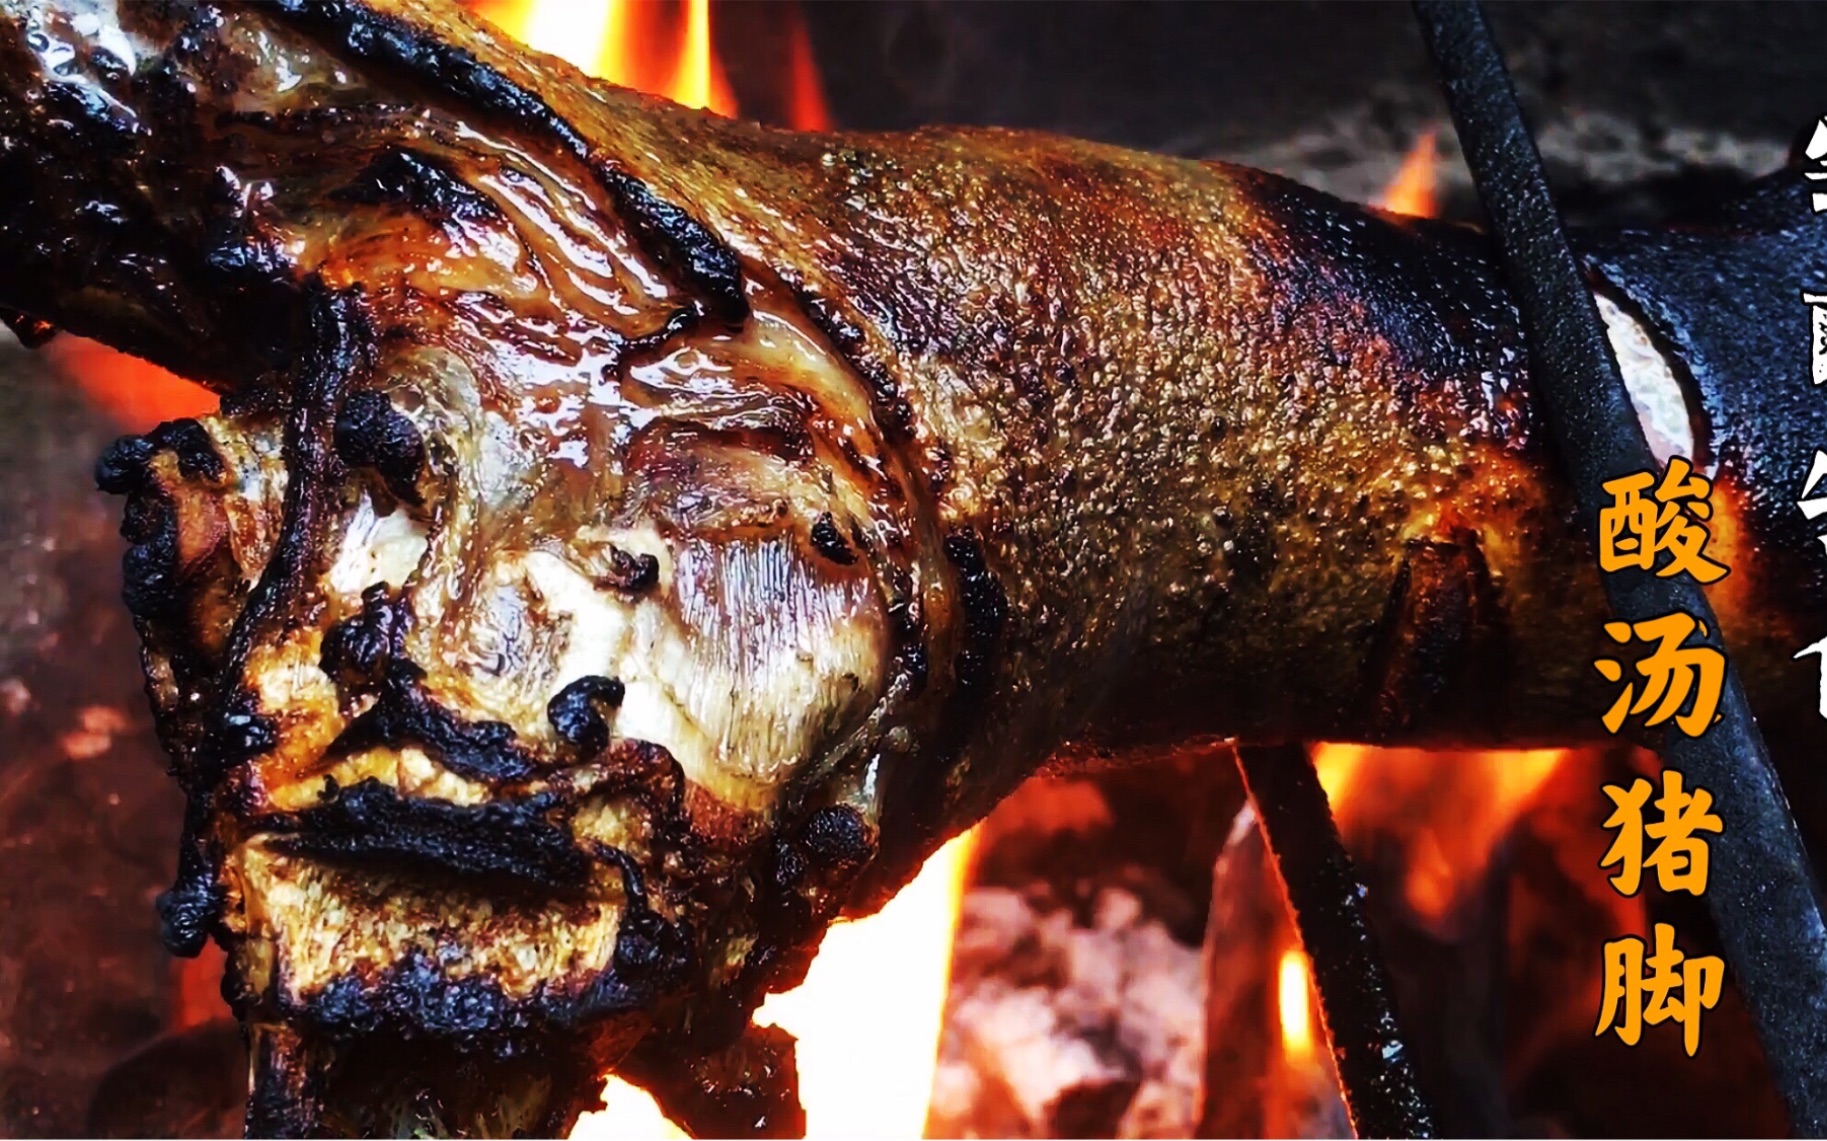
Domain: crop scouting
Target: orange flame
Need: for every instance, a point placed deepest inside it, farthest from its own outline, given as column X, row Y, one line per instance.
column 1455, row 808
column 869, row 1014
column 699, row 80
column 806, row 109
column 1293, row 981
column 1414, row 188
column 867, row 1019
column 138, row 395
column 633, row 43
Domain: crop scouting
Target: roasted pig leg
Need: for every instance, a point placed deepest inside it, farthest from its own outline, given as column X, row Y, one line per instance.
column 632, row 538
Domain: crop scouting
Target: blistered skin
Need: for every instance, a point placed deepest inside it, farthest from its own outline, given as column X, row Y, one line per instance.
column 632, row 537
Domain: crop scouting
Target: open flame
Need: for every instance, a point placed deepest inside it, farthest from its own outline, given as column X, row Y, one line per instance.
column 1293, row 981
column 1454, row 809
column 868, row 1019
column 662, row 47
column 634, row 43
column 806, row 110
column 869, row 1014
column 1414, row 189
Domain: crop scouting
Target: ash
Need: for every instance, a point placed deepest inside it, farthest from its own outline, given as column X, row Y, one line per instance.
column 1056, row 1029
column 1077, row 1004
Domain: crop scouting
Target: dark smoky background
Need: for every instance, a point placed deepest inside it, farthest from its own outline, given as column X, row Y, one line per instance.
column 1638, row 107
column 1641, row 109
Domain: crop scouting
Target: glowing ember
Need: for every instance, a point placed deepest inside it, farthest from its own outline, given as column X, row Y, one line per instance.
column 1293, row 978
column 1412, row 191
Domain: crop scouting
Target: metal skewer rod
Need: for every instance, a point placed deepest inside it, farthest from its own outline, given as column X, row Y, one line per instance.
column 1762, row 892
column 1376, row 1075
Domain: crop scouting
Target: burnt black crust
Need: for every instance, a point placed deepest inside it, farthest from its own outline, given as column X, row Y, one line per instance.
column 33, row 332
column 652, row 953
column 677, row 324
column 151, row 584
column 837, row 838
column 285, row 1095
column 241, row 733
column 404, row 714
column 196, row 452
column 917, row 792
column 372, row 433
column 103, row 123
column 892, row 408
column 907, row 622
column 382, row 1087
column 189, row 909
column 576, row 712
column 630, row 574
column 357, row 649
column 338, row 348
column 828, row 541
column 239, row 259
column 376, row 38
column 502, row 844
column 1250, row 532
column 748, row 1089
column 415, row 999
column 192, row 908
column 149, row 566
column 804, row 886
column 680, row 243
column 1431, row 289
column 399, row 176
column 985, row 609
column 124, row 465
column 657, row 779
column 674, row 238
column 336, row 342
column 110, row 237
column 376, row 1030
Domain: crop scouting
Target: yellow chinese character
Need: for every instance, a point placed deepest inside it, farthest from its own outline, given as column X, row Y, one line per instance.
column 1674, row 675
column 1675, row 987
column 1679, row 857
column 1634, row 530
column 1627, row 848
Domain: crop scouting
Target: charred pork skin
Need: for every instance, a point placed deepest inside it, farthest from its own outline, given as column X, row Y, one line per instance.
column 633, row 538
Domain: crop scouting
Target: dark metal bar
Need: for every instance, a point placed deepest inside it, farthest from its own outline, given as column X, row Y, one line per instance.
column 1375, row 1073
column 1762, row 891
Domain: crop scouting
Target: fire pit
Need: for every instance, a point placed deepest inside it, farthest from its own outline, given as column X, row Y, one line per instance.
column 1111, row 952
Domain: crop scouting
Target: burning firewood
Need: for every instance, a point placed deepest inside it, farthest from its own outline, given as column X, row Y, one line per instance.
column 633, row 538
